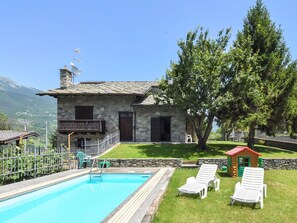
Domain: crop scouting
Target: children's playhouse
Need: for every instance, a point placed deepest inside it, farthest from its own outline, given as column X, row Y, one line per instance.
column 239, row 158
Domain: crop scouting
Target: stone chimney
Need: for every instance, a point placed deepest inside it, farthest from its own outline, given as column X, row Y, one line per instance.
column 65, row 78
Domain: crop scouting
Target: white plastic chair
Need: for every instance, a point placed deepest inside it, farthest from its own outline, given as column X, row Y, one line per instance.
column 252, row 188
column 199, row 184
column 189, row 138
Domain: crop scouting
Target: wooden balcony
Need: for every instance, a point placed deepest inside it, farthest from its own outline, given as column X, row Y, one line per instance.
column 81, row 126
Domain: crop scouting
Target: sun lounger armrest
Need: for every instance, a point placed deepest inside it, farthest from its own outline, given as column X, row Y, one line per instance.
column 191, row 179
column 237, row 186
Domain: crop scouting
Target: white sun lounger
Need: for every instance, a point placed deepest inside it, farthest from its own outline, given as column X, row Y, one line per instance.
column 199, row 184
column 251, row 189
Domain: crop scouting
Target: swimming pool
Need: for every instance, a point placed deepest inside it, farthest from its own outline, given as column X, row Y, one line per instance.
column 77, row 200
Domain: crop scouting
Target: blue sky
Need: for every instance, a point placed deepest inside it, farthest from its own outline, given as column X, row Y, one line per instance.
column 119, row 40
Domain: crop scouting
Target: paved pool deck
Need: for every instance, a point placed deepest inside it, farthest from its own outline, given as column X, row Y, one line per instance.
column 139, row 207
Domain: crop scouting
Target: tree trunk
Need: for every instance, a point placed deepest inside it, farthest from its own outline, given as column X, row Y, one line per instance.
column 203, row 136
column 202, row 145
column 251, row 137
column 208, row 129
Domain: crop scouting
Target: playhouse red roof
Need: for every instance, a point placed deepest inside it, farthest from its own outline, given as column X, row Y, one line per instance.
column 239, row 149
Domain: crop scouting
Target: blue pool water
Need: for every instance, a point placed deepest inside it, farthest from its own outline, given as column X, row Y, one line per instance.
column 78, row 200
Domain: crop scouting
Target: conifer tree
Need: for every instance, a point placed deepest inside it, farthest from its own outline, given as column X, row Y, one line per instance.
column 266, row 76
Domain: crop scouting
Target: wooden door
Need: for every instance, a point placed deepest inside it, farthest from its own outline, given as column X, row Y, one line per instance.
column 161, row 129
column 243, row 161
column 155, row 129
column 126, row 126
column 165, row 129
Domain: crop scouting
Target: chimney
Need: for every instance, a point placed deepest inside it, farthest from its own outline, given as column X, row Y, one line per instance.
column 65, row 78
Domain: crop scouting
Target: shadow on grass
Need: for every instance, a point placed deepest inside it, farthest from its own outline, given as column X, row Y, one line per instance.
column 185, row 151
column 224, row 147
column 190, row 152
column 223, row 175
column 271, row 150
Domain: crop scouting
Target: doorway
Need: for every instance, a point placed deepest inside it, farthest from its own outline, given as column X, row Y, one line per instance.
column 126, row 126
column 161, row 129
column 243, row 161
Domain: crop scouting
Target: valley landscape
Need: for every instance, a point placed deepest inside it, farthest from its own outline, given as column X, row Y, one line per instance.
column 25, row 109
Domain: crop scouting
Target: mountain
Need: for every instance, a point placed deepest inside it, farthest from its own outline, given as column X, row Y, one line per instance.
column 24, row 108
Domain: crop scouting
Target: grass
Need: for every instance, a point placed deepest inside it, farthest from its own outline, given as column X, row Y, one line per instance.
column 279, row 205
column 188, row 152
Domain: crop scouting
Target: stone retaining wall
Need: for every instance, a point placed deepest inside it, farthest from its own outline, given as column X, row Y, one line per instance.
column 219, row 161
column 277, row 164
column 145, row 162
column 280, row 164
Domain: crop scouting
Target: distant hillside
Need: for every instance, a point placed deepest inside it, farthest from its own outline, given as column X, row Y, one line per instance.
column 24, row 107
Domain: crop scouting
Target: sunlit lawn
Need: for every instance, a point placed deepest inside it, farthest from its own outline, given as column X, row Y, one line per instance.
column 279, row 206
column 188, row 152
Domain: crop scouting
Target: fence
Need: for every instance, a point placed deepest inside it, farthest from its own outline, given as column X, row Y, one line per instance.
column 23, row 163
column 100, row 146
column 18, row 163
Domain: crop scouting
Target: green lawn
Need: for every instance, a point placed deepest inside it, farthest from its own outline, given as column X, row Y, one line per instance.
column 279, row 205
column 188, row 151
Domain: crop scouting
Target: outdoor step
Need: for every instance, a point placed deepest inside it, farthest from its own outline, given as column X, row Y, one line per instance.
column 191, row 165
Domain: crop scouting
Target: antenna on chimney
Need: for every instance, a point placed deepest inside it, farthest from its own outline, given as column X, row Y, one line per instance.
column 74, row 69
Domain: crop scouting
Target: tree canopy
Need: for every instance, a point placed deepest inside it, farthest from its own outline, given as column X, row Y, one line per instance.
column 252, row 86
column 194, row 83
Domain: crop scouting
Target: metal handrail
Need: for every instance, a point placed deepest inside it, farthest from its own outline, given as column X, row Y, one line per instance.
column 95, row 161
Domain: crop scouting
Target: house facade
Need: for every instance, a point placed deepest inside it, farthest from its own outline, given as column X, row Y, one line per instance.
column 90, row 110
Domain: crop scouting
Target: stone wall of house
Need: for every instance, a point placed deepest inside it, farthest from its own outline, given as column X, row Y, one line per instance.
column 143, row 122
column 174, row 162
column 105, row 108
column 278, row 164
column 108, row 107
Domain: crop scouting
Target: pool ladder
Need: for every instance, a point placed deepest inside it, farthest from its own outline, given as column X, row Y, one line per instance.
column 99, row 167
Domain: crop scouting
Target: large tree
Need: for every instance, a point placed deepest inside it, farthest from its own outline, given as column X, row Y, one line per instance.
column 194, row 82
column 264, row 71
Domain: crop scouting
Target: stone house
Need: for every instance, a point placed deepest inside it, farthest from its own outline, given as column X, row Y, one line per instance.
column 90, row 110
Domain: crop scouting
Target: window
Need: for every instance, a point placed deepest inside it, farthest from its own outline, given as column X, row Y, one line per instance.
column 83, row 112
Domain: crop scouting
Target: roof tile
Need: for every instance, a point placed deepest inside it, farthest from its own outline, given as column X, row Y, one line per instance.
column 113, row 87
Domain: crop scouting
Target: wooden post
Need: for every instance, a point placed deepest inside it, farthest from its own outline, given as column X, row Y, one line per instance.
column 69, row 136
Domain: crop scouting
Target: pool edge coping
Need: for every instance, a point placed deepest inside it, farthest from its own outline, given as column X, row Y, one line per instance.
column 145, row 210
column 128, row 210
column 38, row 186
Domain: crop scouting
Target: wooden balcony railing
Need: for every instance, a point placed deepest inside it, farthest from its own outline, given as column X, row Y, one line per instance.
column 83, row 126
